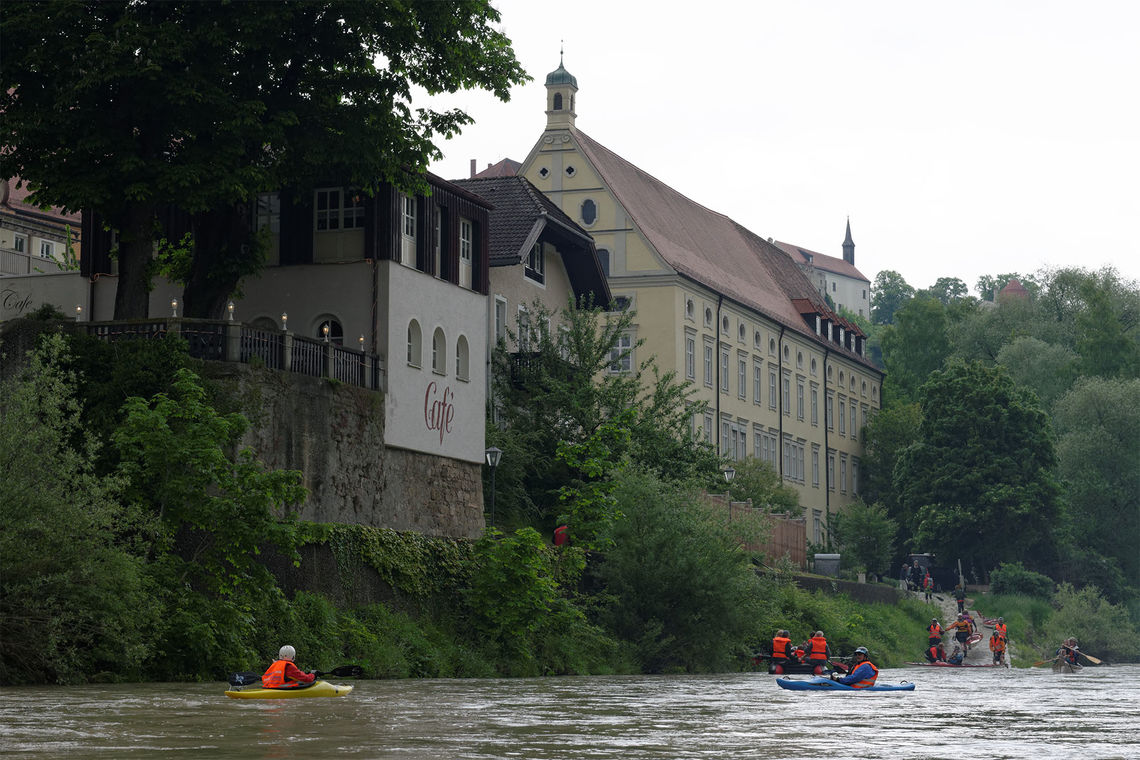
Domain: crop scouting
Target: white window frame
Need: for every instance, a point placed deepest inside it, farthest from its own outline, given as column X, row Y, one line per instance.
column 535, row 267
column 742, row 377
column 621, row 355
column 47, row 249
column 690, row 357
column 708, row 364
column 20, row 243
column 500, row 318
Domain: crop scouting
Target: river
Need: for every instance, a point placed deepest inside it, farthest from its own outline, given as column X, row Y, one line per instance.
column 986, row 713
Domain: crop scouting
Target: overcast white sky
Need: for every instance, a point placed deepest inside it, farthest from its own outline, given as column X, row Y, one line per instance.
column 962, row 139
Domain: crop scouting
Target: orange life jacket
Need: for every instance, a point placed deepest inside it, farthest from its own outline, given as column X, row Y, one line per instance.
column 997, row 644
column 935, row 631
column 780, row 647
column 274, row 678
column 1000, row 628
column 818, row 648
column 864, row 683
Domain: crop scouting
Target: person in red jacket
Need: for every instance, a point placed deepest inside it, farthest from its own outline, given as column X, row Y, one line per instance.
column 283, row 674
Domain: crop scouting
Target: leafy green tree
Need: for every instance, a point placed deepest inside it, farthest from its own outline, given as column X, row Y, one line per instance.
column 888, row 435
column 867, row 535
column 683, row 592
column 947, row 290
column 1098, row 449
column 914, row 346
column 591, row 508
column 757, row 480
column 126, row 107
column 989, row 285
column 73, row 600
column 217, row 510
column 888, row 294
column 1108, row 346
column 1047, row 370
column 979, row 479
column 562, row 391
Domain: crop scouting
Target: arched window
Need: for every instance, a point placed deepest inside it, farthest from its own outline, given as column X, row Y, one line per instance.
column 462, row 359
column 557, row 101
column 438, row 352
column 415, row 348
column 330, row 329
column 589, row 212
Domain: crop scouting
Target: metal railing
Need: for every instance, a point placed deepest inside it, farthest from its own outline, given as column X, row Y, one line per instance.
column 237, row 342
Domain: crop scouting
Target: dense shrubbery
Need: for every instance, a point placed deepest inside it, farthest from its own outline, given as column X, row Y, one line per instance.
column 1037, row 626
column 1013, row 578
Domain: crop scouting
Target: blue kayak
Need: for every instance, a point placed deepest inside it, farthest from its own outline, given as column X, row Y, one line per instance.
column 826, row 684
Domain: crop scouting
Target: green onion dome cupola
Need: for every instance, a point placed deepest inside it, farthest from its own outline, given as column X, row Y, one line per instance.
column 560, row 89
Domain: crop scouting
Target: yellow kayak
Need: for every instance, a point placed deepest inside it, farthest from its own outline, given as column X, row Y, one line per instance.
column 318, row 689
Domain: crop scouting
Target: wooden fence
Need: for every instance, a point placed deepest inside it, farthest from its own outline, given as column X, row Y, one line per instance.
column 787, row 535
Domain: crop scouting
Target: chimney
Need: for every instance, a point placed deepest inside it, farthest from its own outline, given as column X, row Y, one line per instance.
column 472, row 167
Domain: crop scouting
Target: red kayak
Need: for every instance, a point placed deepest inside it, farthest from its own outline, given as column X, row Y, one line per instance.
column 974, row 639
column 947, row 665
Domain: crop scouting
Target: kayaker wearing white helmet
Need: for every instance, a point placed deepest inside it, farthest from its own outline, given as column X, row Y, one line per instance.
column 283, row 674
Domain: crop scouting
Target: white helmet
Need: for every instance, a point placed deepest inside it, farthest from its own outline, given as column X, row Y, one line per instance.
column 287, row 653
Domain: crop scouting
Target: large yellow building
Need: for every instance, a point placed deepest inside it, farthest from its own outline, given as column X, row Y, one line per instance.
column 786, row 379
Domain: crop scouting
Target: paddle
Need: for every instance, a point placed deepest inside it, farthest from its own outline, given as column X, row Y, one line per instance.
column 1042, row 662
column 344, row 671
column 1090, row 657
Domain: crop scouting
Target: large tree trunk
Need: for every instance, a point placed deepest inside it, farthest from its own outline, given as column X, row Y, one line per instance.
column 224, row 252
column 136, row 248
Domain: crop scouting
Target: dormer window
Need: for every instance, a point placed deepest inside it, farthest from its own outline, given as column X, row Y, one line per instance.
column 535, row 268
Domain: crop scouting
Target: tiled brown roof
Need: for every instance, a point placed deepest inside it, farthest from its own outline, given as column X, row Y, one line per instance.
column 708, row 247
column 822, row 261
column 16, row 198
column 521, row 215
column 508, row 167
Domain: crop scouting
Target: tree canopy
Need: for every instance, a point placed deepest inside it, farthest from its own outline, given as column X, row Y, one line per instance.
column 979, row 479
column 889, row 292
column 126, row 107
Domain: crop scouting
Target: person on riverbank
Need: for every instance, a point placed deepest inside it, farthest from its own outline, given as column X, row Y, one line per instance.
column 933, row 632
column 916, row 576
column 936, row 652
column 928, row 586
column 817, row 649
column 904, row 574
column 283, row 674
column 962, row 629
column 997, row 646
column 960, row 597
column 957, row 656
column 862, row 672
column 1000, row 627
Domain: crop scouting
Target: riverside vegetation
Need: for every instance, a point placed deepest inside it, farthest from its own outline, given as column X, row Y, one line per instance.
column 132, row 526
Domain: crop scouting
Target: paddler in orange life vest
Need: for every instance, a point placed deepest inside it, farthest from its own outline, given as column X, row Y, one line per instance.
column 933, row 632
column 961, row 628
column 999, row 626
column 781, row 647
column 862, row 673
column 818, row 651
column 283, row 674
column 997, row 646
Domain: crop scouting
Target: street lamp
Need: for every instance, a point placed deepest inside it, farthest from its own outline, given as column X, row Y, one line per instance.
column 729, row 474
column 230, row 309
column 174, row 307
column 494, row 454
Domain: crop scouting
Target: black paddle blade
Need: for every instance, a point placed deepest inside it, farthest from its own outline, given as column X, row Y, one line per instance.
column 244, row 679
column 344, row 671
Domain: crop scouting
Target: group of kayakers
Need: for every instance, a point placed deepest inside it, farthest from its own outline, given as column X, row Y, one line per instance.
column 963, row 627
column 861, row 673
column 814, row 650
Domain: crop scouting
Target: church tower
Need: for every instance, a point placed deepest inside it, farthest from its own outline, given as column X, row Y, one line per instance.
column 560, row 89
column 849, row 246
